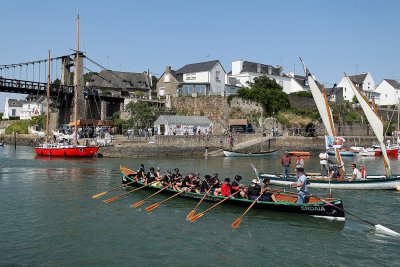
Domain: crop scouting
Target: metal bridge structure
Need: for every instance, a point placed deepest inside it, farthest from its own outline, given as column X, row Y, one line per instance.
column 30, row 78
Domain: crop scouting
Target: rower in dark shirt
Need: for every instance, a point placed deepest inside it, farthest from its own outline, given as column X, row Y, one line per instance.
column 205, row 184
column 151, row 176
column 140, row 172
column 254, row 190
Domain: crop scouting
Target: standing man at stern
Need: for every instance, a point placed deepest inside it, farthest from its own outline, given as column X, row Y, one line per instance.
column 302, row 185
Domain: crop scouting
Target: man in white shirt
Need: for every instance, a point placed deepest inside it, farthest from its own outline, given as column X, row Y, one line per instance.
column 356, row 173
column 323, row 160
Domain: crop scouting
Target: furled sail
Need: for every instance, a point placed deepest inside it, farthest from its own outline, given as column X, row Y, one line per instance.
column 375, row 122
column 323, row 109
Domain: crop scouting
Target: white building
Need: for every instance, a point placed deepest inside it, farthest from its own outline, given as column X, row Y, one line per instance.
column 12, row 108
column 204, row 78
column 389, row 93
column 24, row 109
column 181, row 125
column 363, row 82
column 244, row 72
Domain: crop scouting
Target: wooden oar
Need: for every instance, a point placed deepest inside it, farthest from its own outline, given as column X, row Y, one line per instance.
column 155, row 205
column 195, row 217
column 115, row 188
column 377, row 226
column 137, row 204
column 193, row 211
column 117, row 197
column 237, row 222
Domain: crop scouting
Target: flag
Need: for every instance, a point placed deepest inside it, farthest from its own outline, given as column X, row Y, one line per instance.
column 333, row 141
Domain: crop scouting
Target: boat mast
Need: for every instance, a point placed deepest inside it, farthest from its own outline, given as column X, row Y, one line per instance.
column 337, row 153
column 47, row 99
column 76, row 83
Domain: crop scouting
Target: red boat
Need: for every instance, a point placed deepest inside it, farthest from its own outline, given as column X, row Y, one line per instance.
column 393, row 152
column 67, row 151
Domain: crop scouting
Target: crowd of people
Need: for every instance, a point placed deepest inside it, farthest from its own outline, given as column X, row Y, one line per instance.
column 210, row 184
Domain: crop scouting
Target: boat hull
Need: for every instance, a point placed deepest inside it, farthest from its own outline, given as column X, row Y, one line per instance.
column 299, row 153
column 342, row 153
column 332, row 210
column 258, row 154
column 67, row 151
column 375, row 183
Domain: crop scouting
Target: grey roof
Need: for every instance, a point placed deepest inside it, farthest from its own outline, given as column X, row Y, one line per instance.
column 333, row 90
column 359, row 78
column 197, row 67
column 183, row 120
column 252, row 67
column 14, row 103
column 394, row 83
column 126, row 80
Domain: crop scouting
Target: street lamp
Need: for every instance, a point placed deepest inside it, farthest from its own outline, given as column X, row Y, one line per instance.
column 273, row 123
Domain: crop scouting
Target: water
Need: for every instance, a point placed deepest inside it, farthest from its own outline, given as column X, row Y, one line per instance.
column 48, row 218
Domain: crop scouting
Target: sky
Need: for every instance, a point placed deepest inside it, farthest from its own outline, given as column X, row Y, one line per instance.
column 332, row 37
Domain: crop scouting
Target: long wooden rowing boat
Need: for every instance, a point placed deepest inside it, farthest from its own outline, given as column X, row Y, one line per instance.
column 299, row 153
column 372, row 182
column 246, row 154
column 331, row 208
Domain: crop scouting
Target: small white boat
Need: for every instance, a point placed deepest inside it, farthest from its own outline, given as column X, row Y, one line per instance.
column 356, row 149
column 369, row 152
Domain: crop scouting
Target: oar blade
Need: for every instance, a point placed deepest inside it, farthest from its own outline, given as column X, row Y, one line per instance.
column 386, row 230
column 99, row 194
column 191, row 213
column 137, row 204
column 111, row 199
column 195, row 217
column 152, row 207
column 236, row 223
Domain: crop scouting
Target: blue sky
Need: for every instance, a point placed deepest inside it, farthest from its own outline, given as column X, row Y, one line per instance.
column 332, row 37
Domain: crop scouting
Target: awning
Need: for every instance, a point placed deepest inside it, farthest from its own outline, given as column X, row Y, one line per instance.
column 238, row 122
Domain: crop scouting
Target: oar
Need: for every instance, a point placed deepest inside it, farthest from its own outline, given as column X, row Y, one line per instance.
column 155, row 205
column 137, row 204
column 117, row 197
column 377, row 226
column 237, row 222
column 195, row 217
column 105, row 192
column 193, row 211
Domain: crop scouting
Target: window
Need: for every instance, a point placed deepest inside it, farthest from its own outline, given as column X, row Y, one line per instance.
column 217, row 73
column 162, row 91
column 166, row 78
column 190, row 76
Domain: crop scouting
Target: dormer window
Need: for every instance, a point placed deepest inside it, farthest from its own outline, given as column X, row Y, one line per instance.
column 166, row 78
column 217, row 74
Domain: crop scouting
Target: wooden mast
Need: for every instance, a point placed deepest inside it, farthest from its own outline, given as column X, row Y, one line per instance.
column 337, row 153
column 47, row 99
column 76, row 83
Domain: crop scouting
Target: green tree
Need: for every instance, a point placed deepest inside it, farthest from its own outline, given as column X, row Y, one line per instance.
column 266, row 92
column 142, row 114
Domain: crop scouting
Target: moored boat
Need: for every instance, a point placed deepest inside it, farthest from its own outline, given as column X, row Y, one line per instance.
column 299, row 153
column 330, row 208
column 228, row 153
column 344, row 153
column 374, row 182
column 66, row 151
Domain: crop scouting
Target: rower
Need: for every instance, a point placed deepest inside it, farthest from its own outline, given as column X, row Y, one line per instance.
column 302, row 185
column 205, row 184
column 226, row 188
column 140, row 172
column 214, row 181
column 254, row 189
column 151, row 176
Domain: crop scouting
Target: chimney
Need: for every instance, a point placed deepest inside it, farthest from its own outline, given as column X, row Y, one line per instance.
column 167, row 69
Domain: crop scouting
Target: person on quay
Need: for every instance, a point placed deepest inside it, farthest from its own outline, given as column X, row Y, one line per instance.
column 285, row 164
column 356, row 174
column 267, row 195
column 302, row 185
column 227, row 188
column 323, row 161
column 254, row 190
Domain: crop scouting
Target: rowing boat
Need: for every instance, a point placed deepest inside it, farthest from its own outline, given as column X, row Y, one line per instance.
column 299, row 153
column 331, row 208
column 344, row 153
column 375, row 182
column 249, row 154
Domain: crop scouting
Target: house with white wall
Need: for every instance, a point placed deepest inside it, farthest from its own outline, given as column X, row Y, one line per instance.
column 204, row 78
column 244, row 72
column 363, row 82
column 12, row 108
column 389, row 93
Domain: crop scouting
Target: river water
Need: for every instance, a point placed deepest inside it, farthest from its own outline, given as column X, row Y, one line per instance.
column 48, row 218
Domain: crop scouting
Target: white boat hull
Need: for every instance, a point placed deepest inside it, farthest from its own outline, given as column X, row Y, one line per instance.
column 372, row 183
column 259, row 154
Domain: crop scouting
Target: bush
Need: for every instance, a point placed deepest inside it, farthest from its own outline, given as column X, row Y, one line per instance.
column 303, row 94
column 20, row 127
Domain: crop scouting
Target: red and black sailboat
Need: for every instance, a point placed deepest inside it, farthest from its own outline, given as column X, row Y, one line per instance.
column 61, row 150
